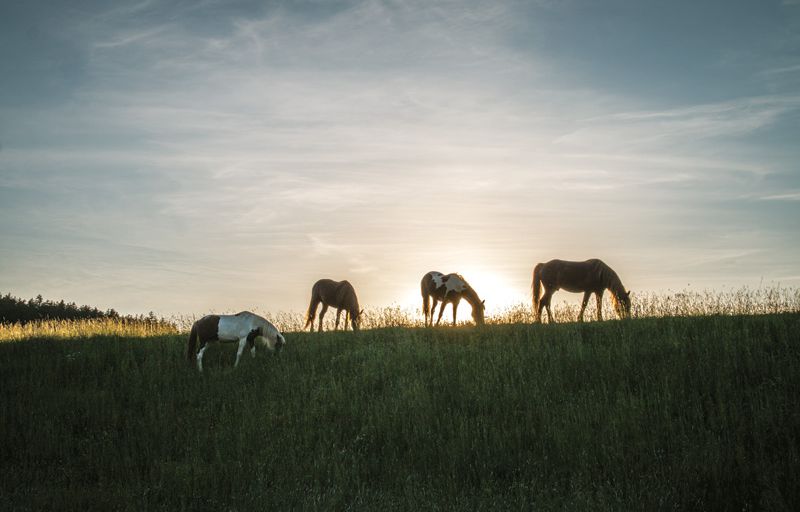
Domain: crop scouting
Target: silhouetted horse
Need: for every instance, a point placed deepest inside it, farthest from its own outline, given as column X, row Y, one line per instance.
column 337, row 294
column 590, row 276
column 244, row 327
column 448, row 288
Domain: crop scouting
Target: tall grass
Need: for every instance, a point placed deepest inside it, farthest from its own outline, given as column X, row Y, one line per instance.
column 68, row 329
column 686, row 413
column 743, row 301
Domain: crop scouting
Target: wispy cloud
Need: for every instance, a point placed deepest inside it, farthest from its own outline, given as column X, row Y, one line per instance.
column 785, row 70
column 641, row 129
column 356, row 261
column 792, row 196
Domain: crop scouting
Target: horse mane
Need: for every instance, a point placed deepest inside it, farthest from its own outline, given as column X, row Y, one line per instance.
column 610, row 279
column 469, row 293
column 347, row 297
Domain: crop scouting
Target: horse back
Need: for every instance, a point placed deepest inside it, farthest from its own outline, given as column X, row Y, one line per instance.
column 207, row 328
column 428, row 284
column 444, row 287
column 339, row 294
column 234, row 327
column 574, row 276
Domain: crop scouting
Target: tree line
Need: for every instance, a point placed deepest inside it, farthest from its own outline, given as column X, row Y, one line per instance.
column 16, row 310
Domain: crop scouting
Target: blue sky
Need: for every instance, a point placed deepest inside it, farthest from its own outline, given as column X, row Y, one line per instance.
column 186, row 157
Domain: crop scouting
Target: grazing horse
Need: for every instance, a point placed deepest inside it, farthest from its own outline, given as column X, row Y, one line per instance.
column 590, row 276
column 337, row 294
column 450, row 289
column 245, row 327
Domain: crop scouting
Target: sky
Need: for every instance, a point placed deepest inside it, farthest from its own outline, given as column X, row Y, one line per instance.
column 186, row 157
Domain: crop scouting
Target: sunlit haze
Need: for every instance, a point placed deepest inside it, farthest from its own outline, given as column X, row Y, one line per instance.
column 187, row 157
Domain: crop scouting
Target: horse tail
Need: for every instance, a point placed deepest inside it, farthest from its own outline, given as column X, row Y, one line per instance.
column 312, row 309
column 191, row 348
column 536, row 286
column 425, row 298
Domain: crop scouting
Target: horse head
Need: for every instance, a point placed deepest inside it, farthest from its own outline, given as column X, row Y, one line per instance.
column 280, row 341
column 355, row 320
column 623, row 303
column 477, row 313
column 263, row 337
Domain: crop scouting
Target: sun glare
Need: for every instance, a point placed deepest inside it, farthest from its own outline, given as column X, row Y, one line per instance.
column 498, row 291
column 493, row 287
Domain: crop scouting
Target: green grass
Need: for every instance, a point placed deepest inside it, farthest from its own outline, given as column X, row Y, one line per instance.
column 681, row 413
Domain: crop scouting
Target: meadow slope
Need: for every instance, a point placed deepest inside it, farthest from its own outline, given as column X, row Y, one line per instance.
column 661, row 414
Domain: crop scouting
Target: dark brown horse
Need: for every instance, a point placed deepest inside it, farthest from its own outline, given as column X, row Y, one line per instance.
column 590, row 276
column 450, row 289
column 337, row 294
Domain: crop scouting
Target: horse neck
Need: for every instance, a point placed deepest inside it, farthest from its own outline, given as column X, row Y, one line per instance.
column 614, row 283
column 471, row 296
column 352, row 306
column 350, row 301
column 266, row 327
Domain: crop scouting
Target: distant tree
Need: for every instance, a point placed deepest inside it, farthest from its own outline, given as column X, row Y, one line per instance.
column 15, row 310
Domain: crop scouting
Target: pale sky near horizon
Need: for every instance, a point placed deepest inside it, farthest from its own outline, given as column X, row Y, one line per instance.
column 194, row 156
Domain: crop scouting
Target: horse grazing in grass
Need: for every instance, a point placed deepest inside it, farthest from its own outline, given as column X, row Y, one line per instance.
column 338, row 294
column 449, row 289
column 590, row 276
column 245, row 327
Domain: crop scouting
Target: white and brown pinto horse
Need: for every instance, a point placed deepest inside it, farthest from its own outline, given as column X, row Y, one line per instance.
column 449, row 289
column 338, row 294
column 244, row 327
column 590, row 276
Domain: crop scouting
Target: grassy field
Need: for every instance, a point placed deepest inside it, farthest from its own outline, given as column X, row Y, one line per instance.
column 682, row 413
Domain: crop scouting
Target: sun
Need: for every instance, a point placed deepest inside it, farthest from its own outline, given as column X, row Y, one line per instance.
column 494, row 287
column 498, row 290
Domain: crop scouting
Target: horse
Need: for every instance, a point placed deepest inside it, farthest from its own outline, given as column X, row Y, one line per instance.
column 450, row 288
column 590, row 276
column 338, row 294
column 245, row 327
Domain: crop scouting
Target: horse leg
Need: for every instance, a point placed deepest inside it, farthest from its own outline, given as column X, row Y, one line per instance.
column 242, row 344
column 433, row 310
column 546, row 300
column 455, row 308
column 441, row 311
column 251, row 340
column 338, row 316
column 321, row 315
column 346, row 319
column 599, row 296
column 203, row 346
column 586, row 296
column 538, row 318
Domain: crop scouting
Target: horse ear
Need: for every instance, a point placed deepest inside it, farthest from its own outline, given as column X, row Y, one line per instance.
column 483, row 302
